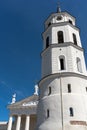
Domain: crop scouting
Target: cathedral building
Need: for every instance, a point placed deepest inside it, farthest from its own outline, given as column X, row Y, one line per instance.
column 62, row 100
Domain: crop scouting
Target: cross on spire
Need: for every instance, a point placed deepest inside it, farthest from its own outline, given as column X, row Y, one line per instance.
column 58, row 8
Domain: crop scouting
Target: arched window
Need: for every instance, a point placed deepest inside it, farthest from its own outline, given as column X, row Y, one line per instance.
column 48, row 113
column 69, row 88
column 62, row 62
column 71, row 111
column 49, row 24
column 74, row 39
column 86, row 89
column 60, row 37
column 70, row 21
column 47, row 42
column 78, row 62
column 49, row 91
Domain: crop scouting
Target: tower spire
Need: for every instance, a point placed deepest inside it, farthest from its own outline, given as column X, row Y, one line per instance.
column 58, row 8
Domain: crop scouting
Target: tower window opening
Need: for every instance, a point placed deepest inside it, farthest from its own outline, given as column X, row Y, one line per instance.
column 60, row 37
column 70, row 21
column 86, row 89
column 62, row 62
column 49, row 24
column 78, row 62
column 69, row 88
column 47, row 42
column 74, row 39
column 59, row 18
column 49, row 91
column 48, row 113
column 71, row 111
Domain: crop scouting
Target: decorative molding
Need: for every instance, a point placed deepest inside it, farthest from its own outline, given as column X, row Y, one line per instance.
column 56, row 14
column 78, row 123
column 65, row 44
column 63, row 74
column 23, row 111
column 32, row 103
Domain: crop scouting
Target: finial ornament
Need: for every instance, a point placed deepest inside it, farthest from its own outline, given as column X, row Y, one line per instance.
column 58, row 8
column 13, row 98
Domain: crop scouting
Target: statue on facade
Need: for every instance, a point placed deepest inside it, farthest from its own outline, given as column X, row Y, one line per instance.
column 36, row 90
column 13, row 98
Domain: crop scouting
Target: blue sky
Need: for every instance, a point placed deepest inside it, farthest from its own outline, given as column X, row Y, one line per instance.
column 21, row 25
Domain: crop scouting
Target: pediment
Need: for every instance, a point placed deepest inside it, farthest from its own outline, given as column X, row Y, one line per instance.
column 31, row 101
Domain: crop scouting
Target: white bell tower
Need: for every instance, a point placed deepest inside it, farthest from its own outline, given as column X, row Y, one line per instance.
column 63, row 87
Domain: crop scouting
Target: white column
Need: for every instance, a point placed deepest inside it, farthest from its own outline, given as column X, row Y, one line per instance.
column 18, row 123
column 10, row 123
column 27, row 123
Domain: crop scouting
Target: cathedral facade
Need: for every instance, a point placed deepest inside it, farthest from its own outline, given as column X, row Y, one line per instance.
column 62, row 100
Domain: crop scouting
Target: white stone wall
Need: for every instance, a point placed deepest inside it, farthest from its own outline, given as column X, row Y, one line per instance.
column 68, row 31
column 70, row 53
column 77, row 99
column 51, row 63
column 46, row 63
column 48, row 33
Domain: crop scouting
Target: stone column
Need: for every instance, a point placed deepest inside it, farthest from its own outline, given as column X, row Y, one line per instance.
column 27, row 123
column 18, row 123
column 10, row 123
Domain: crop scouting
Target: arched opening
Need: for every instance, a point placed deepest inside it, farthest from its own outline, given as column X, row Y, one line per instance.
column 48, row 113
column 79, row 67
column 60, row 37
column 62, row 62
column 49, row 91
column 69, row 88
column 86, row 89
column 49, row 24
column 74, row 39
column 70, row 21
column 47, row 42
column 71, row 111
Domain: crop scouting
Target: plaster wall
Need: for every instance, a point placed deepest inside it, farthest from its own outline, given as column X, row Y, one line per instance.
column 51, row 62
column 77, row 99
column 68, row 31
column 46, row 63
column 70, row 53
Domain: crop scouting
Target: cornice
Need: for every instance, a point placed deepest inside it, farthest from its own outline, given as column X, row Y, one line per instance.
column 25, row 103
column 25, row 111
column 60, row 24
column 63, row 74
column 61, row 13
column 65, row 44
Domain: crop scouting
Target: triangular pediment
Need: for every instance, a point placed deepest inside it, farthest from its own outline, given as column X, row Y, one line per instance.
column 31, row 101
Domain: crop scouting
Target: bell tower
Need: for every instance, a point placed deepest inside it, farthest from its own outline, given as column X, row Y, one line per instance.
column 63, row 86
